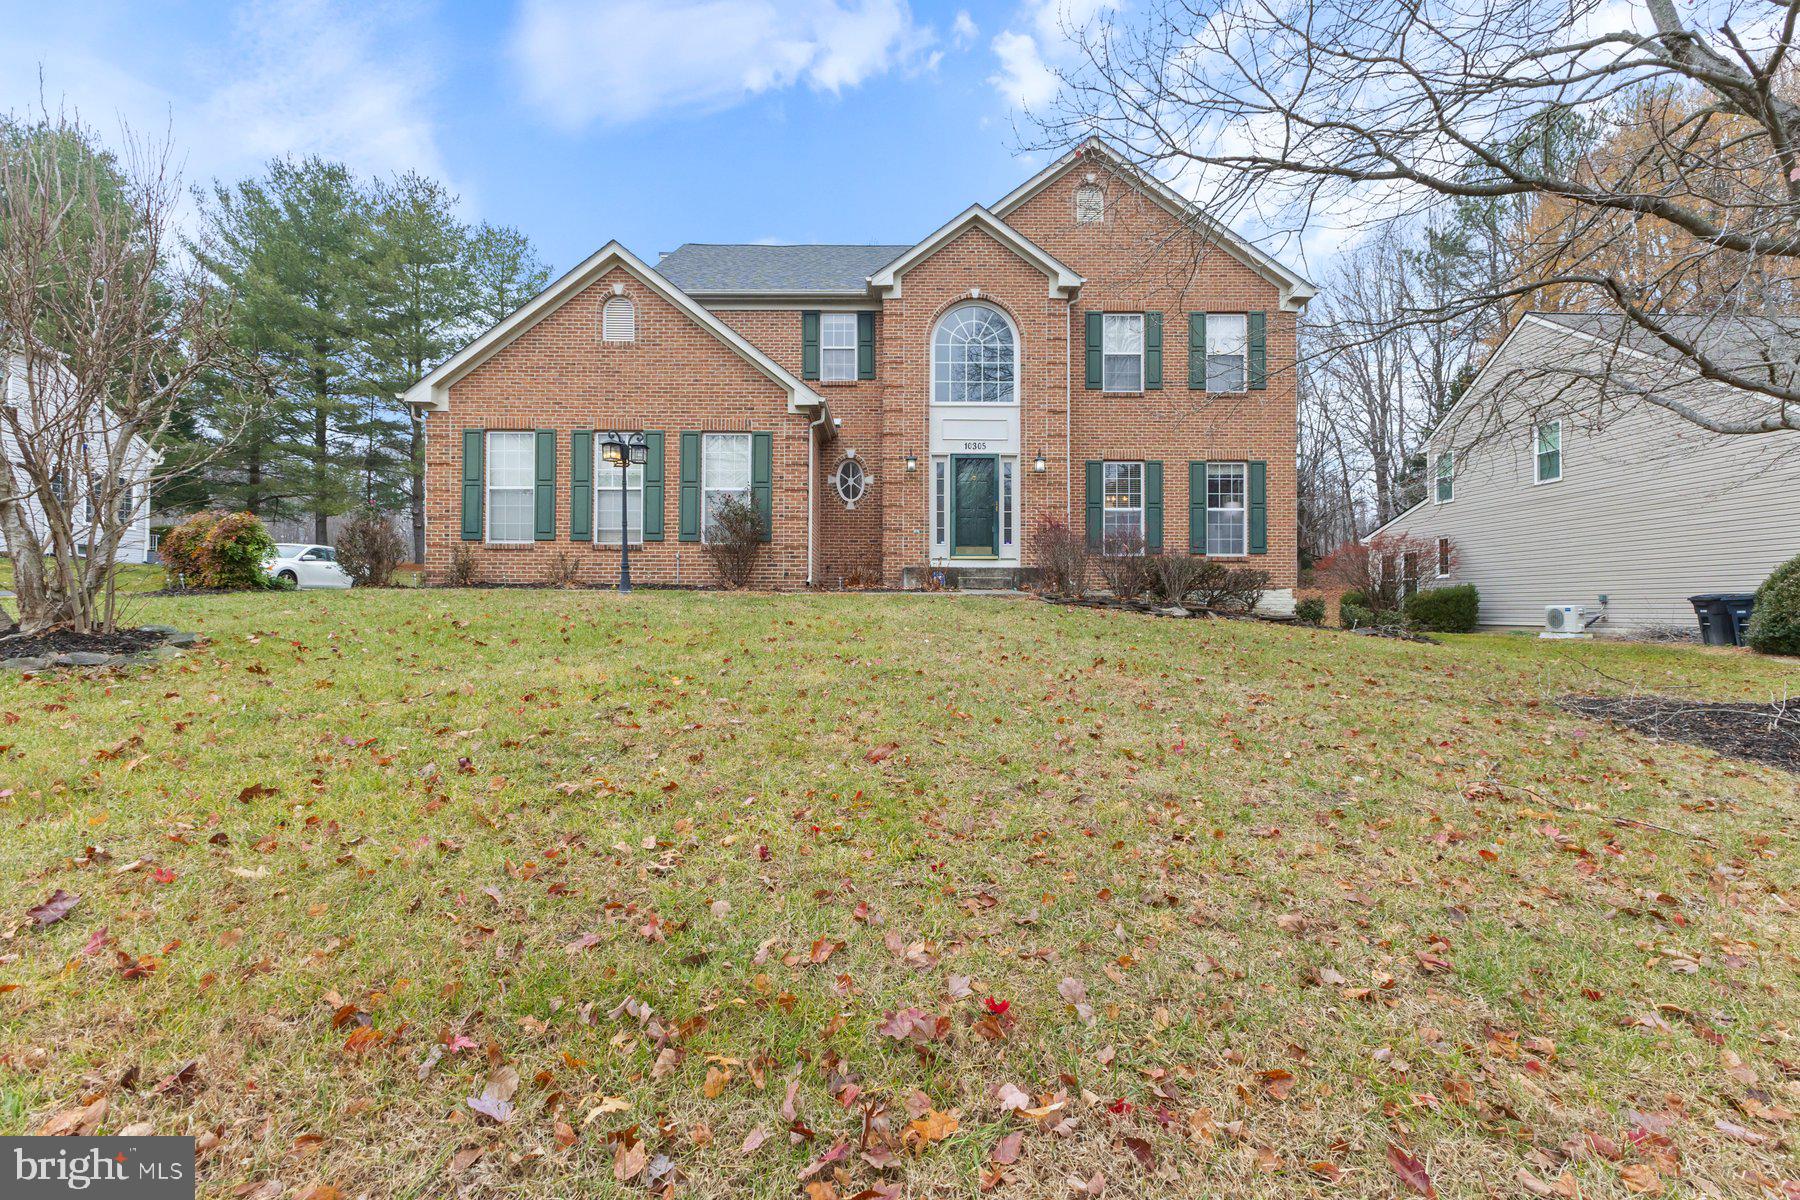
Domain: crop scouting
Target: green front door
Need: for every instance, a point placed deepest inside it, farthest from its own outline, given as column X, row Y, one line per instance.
column 975, row 508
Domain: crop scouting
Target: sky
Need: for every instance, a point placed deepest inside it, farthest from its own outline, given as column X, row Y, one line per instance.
column 580, row 121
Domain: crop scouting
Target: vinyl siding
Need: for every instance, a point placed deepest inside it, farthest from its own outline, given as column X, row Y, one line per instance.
column 1650, row 510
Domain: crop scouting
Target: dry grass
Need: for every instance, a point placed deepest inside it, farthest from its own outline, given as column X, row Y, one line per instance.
column 1259, row 849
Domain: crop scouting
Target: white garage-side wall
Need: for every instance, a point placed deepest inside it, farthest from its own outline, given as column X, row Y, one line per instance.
column 1650, row 510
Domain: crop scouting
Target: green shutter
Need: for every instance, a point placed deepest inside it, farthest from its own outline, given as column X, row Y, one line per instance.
column 762, row 479
column 474, row 442
column 865, row 345
column 1096, row 325
column 653, row 487
column 1259, row 350
column 1153, row 506
column 1152, row 351
column 689, row 529
column 1197, row 504
column 1096, row 523
column 581, row 485
column 1197, row 351
column 1259, row 508
column 809, row 345
column 546, row 485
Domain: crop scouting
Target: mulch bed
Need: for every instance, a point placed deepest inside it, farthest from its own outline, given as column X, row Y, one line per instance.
column 62, row 641
column 1765, row 733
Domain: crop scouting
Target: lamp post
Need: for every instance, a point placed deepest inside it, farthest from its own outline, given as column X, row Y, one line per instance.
column 624, row 451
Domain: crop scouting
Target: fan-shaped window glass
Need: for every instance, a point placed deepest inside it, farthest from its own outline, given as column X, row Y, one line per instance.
column 974, row 357
column 851, row 482
column 618, row 321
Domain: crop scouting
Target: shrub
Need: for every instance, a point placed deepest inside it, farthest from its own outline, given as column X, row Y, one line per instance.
column 1310, row 611
column 370, row 549
column 1172, row 576
column 1377, row 573
column 1123, row 566
column 1775, row 622
column 1443, row 609
column 561, row 570
column 1061, row 556
column 462, row 566
column 219, row 550
column 1360, row 599
column 1355, row 616
column 1234, row 588
column 735, row 541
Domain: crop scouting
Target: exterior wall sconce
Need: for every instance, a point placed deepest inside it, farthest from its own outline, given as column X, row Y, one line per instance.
column 912, row 462
column 1038, row 463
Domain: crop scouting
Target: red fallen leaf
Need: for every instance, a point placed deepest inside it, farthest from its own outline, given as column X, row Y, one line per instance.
column 96, row 943
column 181, row 1079
column 763, row 853
column 1411, row 1171
column 586, row 941
column 54, row 909
column 257, row 791
column 882, row 752
column 997, row 1007
column 1140, row 1150
column 134, row 968
column 162, row 875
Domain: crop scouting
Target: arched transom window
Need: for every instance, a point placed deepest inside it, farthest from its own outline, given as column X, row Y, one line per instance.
column 974, row 357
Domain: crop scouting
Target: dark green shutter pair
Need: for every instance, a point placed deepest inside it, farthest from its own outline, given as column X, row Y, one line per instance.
column 809, row 345
column 762, row 484
column 1256, row 328
column 1153, row 505
column 1095, row 336
column 581, row 486
column 473, row 485
column 1256, row 498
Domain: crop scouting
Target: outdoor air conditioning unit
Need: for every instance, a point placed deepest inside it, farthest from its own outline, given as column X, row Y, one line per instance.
column 1567, row 621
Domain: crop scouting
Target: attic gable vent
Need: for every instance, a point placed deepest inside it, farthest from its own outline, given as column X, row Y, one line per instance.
column 1090, row 204
column 618, row 321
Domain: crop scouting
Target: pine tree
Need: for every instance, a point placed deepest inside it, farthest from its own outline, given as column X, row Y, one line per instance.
column 504, row 272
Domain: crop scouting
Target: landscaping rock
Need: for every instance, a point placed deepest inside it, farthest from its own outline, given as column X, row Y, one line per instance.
column 83, row 658
column 180, row 638
column 23, row 664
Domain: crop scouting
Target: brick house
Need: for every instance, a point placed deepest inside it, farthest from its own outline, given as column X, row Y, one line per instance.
column 1090, row 348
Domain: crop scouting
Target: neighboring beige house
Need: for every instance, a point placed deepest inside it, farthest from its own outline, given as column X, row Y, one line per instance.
column 1621, row 507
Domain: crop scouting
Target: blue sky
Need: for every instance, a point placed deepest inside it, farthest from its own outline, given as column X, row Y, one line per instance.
column 652, row 121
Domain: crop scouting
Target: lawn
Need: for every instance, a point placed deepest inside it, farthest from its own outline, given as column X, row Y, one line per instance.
column 777, row 896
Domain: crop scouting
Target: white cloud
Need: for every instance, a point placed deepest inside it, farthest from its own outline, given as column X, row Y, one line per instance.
column 328, row 77
column 1023, row 80
column 964, row 29
column 620, row 62
column 1043, row 36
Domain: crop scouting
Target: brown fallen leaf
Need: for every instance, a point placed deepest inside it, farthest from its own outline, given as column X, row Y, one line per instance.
column 1007, row 1151
column 757, row 1137
column 1641, row 1178
column 934, row 1126
column 882, row 752
column 630, row 1161
column 54, row 909
column 1411, row 1171
column 465, row 1158
column 80, row 1121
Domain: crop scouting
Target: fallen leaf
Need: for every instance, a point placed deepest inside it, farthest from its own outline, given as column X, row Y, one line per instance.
column 1411, row 1171
column 80, row 1121
column 1007, row 1151
column 54, row 909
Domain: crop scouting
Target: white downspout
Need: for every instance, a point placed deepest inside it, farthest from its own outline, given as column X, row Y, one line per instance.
column 1068, row 409
column 812, row 471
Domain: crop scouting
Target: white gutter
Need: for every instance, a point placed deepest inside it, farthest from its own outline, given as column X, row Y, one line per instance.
column 812, row 473
column 1068, row 412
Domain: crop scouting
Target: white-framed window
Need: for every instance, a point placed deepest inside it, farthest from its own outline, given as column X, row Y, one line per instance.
column 837, row 346
column 1443, row 558
column 1090, row 204
column 1122, row 507
column 851, row 481
column 1227, row 514
column 1122, row 352
column 125, row 503
column 607, row 503
column 724, row 474
column 618, row 320
column 940, row 505
column 1446, row 476
column 1227, row 351
column 1006, row 502
column 974, row 357
column 511, row 480
column 1547, row 447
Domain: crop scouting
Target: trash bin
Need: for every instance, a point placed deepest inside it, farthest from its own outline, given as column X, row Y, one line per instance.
column 1714, row 628
column 1737, row 608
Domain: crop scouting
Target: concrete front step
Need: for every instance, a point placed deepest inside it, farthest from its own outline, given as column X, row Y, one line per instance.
column 967, row 579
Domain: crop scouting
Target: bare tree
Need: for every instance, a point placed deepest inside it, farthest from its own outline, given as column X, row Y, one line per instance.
column 1683, row 218
column 101, row 334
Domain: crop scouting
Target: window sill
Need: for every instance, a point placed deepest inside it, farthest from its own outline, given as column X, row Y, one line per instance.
column 509, row 545
column 841, row 382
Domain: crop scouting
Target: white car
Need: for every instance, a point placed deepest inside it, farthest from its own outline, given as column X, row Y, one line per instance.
column 307, row 566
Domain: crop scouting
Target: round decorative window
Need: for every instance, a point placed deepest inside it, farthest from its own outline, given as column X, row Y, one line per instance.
column 851, row 482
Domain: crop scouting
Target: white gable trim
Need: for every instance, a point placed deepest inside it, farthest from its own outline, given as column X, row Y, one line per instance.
column 1063, row 282
column 1295, row 290
column 433, row 391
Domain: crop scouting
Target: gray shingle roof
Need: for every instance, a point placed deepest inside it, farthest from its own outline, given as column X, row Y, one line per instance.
column 1736, row 341
column 705, row 268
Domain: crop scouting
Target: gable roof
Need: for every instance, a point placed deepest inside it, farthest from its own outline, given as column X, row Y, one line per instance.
column 1063, row 282
column 1296, row 290
column 711, row 269
column 433, row 391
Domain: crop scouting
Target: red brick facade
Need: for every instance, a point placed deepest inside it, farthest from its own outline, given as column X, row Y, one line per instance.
column 680, row 375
